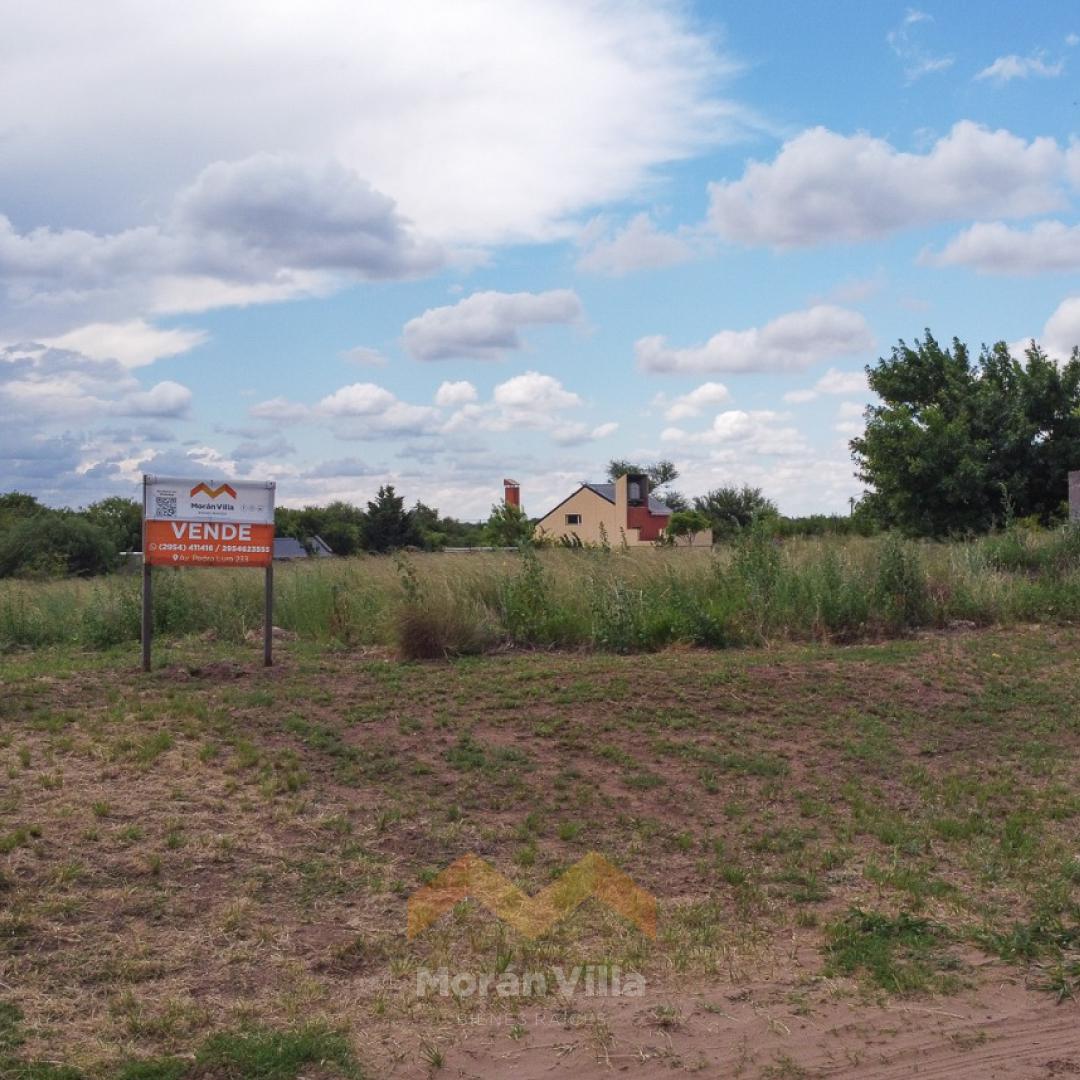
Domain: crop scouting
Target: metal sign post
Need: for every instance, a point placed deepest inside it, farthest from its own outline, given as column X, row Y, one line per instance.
column 268, row 618
column 193, row 522
column 147, row 596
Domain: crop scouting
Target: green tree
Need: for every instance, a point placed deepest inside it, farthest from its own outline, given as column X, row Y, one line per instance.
column 120, row 518
column 339, row 523
column 660, row 473
column 342, row 525
column 729, row 509
column 387, row 525
column 957, row 444
column 55, row 543
column 686, row 523
column 18, row 504
column 507, row 526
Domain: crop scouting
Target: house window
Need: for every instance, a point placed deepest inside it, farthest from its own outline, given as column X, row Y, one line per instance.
column 573, row 519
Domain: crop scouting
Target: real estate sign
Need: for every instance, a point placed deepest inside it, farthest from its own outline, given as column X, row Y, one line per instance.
column 201, row 522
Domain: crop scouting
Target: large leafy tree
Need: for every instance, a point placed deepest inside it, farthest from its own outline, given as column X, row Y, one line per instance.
column 120, row 518
column 729, row 509
column 958, row 443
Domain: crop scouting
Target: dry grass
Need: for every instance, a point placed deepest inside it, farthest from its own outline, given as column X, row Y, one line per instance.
column 215, row 846
column 756, row 591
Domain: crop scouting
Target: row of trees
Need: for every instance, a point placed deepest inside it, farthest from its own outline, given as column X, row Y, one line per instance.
column 36, row 540
column 959, row 444
column 385, row 525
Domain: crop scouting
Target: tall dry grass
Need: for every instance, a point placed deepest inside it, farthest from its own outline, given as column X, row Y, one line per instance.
column 755, row 590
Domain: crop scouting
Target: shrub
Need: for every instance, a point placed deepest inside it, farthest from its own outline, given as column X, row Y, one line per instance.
column 900, row 589
column 438, row 631
column 53, row 544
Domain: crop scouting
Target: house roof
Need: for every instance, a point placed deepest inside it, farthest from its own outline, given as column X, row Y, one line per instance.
column 286, row 547
column 607, row 491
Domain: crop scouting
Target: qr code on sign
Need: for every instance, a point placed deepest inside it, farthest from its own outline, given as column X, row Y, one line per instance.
column 165, row 506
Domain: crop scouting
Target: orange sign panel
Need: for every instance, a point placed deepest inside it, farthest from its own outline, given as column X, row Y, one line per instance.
column 208, row 543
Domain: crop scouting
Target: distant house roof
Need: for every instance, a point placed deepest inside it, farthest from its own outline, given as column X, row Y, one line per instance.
column 607, row 491
column 287, row 547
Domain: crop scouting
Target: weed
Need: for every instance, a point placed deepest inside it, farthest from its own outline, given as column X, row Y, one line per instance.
column 904, row 955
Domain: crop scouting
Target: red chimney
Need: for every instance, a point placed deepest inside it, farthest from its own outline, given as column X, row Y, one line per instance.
column 511, row 493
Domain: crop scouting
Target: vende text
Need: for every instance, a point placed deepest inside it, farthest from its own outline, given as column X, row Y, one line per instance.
column 210, row 530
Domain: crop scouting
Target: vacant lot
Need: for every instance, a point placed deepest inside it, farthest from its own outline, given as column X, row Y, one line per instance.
column 867, row 859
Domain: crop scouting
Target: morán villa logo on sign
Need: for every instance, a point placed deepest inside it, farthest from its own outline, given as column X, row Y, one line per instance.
column 214, row 494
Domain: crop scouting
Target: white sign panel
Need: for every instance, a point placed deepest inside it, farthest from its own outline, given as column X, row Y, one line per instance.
column 168, row 498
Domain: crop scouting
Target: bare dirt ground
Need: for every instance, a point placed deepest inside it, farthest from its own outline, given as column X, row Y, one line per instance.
column 866, row 861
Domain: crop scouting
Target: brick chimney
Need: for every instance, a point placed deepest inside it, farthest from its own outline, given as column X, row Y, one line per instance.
column 511, row 493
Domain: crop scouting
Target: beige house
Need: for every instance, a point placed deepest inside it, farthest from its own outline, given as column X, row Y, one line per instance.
column 612, row 512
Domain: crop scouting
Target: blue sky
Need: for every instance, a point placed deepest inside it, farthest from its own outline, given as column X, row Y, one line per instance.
column 339, row 245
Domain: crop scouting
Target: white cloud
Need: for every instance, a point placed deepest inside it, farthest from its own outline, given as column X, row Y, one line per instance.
column 363, row 356
column 165, row 399
column 696, row 401
column 1072, row 40
column 529, row 402
column 369, row 411
column 357, row 399
column 339, row 467
column 790, row 342
column 41, row 384
column 842, row 382
column 1062, row 331
column 184, row 293
column 849, row 418
column 906, row 42
column 1006, row 68
column 525, row 113
column 451, row 394
column 280, row 410
column 757, row 432
column 577, row 434
column 833, row 381
column 486, row 325
column 996, row 248
column 261, row 229
column 268, row 212
column 132, row 344
column 638, row 245
column 533, row 391
column 802, row 483
column 264, row 450
column 828, row 188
